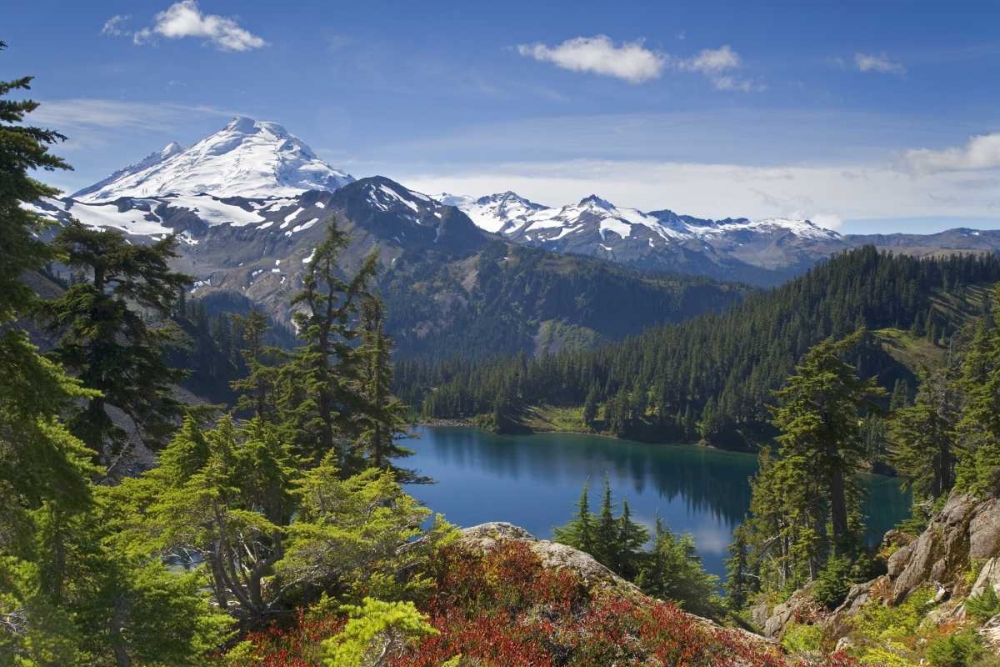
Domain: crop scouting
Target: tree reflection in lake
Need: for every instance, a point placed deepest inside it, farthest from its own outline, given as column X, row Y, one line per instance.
column 533, row 481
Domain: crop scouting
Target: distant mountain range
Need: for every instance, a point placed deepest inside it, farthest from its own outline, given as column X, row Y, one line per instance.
column 250, row 204
column 762, row 252
column 463, row 276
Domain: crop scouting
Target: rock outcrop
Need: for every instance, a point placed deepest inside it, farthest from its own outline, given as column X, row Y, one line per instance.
column 961, row 539
column 964, row 535
column 553, row 555
column 488, row 536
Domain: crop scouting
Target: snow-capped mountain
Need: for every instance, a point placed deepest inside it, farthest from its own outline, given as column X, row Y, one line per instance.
column 734, row 248
column 499, row 214
column 247, row 158
column 151, row 160
column 253, row 180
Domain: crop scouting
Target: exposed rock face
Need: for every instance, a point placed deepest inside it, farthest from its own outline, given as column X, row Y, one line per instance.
column 801, row 606
column 965, row 532
column 964, row 535
column 487, row 536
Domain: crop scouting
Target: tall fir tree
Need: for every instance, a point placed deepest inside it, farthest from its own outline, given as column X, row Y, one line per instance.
column 978, row 428
column 384, row 419
column 818, row 416
column 113, row 328
column 256, row 390
column 922, row 436
column 321, row 392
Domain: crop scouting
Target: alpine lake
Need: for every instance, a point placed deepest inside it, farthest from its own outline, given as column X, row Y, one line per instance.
column 534, row 481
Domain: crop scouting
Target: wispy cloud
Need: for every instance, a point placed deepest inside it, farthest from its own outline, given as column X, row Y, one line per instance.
column 94, row 124
column 635, row 63
column 879, row 63
column 185, row 19
column 718, row 65
column 115, row 26
column 631, row 61
column 979, row 152
column 88, row 114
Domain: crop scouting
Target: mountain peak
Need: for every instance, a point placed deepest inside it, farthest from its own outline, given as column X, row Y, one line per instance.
column 594, row 200
column 247, row 125
column 247, row 158
column 170, row 150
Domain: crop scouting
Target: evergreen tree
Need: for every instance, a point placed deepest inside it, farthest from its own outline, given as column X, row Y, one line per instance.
column 321, row 394
column 256, row 389
column 739, row 578
column 106, row 336
column 630, row 542
column 673, row 571
column 922, row 436
column 70, row 593
column 384, row 419
column 818, row 416
column 805, row 504
column 43, row 468
column 979, row 423
column 580, row 532
column 606, row 531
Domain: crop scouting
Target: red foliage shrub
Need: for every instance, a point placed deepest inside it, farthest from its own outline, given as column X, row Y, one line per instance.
column 504, row 609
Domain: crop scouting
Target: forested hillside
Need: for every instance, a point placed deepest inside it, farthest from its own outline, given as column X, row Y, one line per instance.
column 712, row 377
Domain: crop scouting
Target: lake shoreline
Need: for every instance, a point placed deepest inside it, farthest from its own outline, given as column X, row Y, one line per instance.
column 466, row 423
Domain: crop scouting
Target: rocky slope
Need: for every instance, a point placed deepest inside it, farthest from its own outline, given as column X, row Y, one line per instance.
column 452, row 289
column 928, row 581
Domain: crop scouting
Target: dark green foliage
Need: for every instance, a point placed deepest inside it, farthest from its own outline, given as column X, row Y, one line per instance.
column 669, row 569
column 979, row 425
column 673, row 571
column 984, row 606
column 833, row 582
column 960, row 649
column 581, row 531
column 922, row 438
column 108, row 337
column 383, row 421
column 739, row 578
column 718, row 370
column 805, row 508
column 320, row 383
column 23, row 148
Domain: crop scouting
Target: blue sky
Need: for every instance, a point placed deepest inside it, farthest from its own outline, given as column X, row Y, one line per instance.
column 866, row 116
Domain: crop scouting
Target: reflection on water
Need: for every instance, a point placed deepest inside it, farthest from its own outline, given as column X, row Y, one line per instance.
column 533, row 481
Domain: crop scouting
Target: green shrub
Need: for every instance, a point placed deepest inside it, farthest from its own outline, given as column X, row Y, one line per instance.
column 957, row 650
column 884, row 623
column 984, row 606
column 833, row 582
column 801, row 638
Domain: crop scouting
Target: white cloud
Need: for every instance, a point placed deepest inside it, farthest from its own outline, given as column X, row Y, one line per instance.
column 824, row 194
column 713, row 61
column 868, row 62
column 185, row 19
column 980, row 152
column 634, row 63
column 630, row 62
column 115, row 26
column 717, row 65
